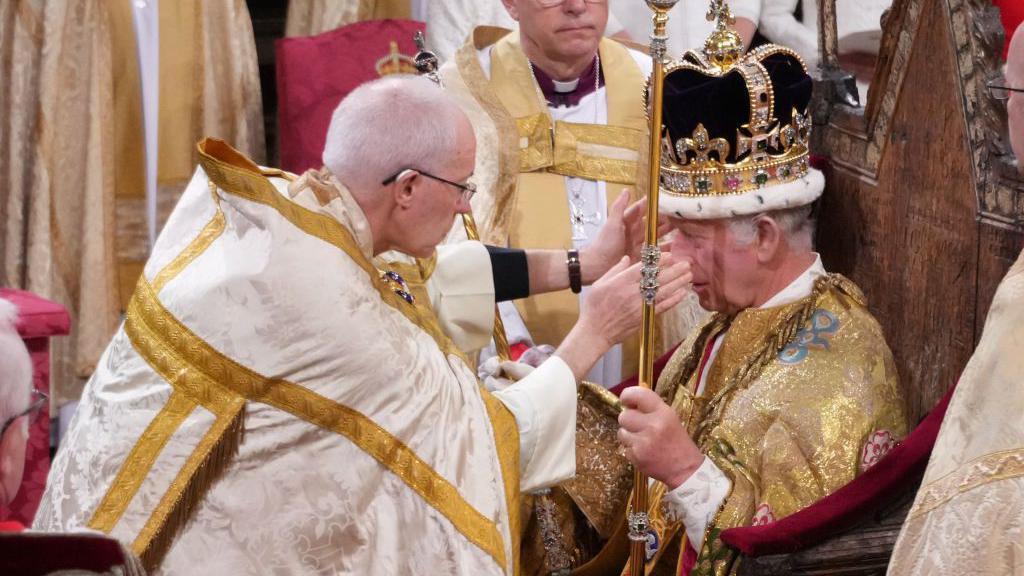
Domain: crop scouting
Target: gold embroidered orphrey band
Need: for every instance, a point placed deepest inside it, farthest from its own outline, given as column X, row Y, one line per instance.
column 976, row 473
column 591, row 151
column 200, row 375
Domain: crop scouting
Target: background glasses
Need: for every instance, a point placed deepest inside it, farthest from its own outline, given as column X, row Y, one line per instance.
column 1001, row 92
column 38, row 401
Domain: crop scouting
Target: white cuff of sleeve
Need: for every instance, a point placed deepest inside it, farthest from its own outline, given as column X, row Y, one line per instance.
column 696, row 501
column 462, row 293
column 544, row 406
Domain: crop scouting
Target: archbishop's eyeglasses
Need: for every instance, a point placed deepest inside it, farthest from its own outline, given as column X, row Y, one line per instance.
column 467, row 189
column 38, row 401
column 1001, row 92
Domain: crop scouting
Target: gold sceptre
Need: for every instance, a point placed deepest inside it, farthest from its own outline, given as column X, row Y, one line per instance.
column 722, row 49
column 426, row 64
column 638, row 520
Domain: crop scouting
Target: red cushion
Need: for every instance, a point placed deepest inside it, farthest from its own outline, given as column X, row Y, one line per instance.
column 37, row 316
column 314, row 73
column 892, row 476
column 38, row 319
column 32, row 554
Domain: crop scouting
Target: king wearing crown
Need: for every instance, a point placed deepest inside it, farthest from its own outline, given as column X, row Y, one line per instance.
column 788, row 390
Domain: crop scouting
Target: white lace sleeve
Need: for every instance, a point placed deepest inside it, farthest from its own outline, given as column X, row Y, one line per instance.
column 695, row 502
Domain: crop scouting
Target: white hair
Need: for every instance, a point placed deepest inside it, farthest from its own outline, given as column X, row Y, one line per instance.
column 796, row 225
column 15, row 365
column 390, row 124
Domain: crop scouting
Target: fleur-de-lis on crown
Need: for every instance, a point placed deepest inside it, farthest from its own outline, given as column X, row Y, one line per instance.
column 797, row 132
column 702, row 147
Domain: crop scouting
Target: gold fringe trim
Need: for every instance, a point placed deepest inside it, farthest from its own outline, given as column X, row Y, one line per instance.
column 206, row 463
column 193, row 366
column 140, row 460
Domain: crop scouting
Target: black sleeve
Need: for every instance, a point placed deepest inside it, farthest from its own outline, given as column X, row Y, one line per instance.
column 511, row 273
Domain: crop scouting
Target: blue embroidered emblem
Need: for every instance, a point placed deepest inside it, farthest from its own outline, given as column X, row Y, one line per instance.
column 822, row 324
column 650, row 546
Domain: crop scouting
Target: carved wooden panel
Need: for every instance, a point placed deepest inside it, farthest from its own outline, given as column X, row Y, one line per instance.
column 922, row 207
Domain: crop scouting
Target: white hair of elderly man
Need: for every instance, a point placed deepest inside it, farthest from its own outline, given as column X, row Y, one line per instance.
column 370, row 137
column 15, row 393
column 796, row 225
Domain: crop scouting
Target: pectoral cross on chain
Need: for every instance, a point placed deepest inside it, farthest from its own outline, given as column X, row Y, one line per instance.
column 578, row 218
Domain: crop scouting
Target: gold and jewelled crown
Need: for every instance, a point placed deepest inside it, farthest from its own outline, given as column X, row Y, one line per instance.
column 736, row 129
column 395, row 62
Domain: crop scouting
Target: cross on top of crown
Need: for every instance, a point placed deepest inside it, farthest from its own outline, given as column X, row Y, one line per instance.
column 719, row 12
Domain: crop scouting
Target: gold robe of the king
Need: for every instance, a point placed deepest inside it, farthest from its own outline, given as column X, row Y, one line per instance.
column 799, row 400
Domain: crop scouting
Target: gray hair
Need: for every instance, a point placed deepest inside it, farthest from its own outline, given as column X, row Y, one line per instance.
column 388, row 125
column 15, row 365
column 796, row 225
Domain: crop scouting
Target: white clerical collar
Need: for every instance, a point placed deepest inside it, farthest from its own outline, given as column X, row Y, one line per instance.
column 567, row 86
column 799, row 288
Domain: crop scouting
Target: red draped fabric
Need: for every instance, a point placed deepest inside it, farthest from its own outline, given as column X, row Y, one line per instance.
column 314, row 73
column 38, row 320
column 1012, row 14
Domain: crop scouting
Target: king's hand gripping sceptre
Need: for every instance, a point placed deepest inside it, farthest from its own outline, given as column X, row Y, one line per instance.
column 638, row 521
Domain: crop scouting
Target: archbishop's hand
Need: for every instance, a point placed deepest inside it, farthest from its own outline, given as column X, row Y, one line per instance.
column 622, row 235
column 611, row 312
column 613, row 307
column 654, row 438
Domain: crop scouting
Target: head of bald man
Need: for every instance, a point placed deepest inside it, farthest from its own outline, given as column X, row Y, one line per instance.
column 406, row 152
column 1015, row 103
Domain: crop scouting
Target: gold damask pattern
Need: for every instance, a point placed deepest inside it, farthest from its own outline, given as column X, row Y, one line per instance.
column 206, row 463
column 237, row 175
column 200, row 375
column 213, row 229
column 196, row 367
column 506, row 438
column 140, row 460
column 975, row 474
column 590, row 151
column 791, row 397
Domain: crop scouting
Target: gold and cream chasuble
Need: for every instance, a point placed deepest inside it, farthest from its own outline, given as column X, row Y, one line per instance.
column 968, row 517
column 272, row 405
column 537, row 164
column 798, row 400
